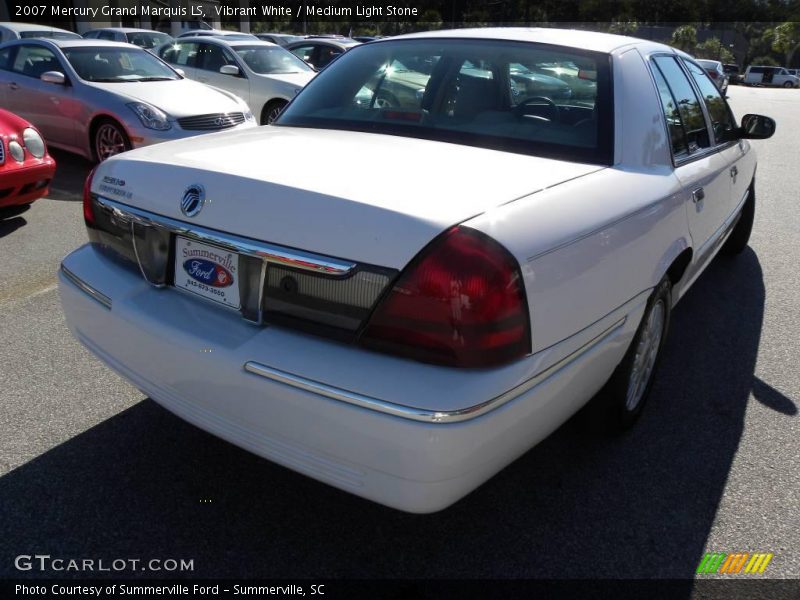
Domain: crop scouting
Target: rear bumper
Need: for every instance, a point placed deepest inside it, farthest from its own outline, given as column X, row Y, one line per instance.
column 190, row 357
column 24, row 184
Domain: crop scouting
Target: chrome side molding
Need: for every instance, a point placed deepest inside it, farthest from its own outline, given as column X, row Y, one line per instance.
column 290, row 257
column 86, row 288
column 419, row 414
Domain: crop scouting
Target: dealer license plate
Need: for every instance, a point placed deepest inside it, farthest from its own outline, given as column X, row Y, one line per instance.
column 208, row 271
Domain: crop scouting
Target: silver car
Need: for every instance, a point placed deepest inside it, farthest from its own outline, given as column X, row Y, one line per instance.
column 21, row 31
column 98, row 98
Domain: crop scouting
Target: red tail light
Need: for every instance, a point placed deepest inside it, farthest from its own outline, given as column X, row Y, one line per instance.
column 88, row 213
column 460, row 302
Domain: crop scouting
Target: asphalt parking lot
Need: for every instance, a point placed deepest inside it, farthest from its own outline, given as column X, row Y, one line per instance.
column 90, row 467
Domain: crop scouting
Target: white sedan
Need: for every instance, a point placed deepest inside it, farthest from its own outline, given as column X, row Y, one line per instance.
column 264, row 74
column 467, row 267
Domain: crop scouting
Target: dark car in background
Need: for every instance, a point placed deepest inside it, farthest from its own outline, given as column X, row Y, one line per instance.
column 734, row 74
column 319, row 52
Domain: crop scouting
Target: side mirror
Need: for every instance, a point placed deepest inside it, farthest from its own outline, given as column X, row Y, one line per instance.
column 181, row 72
column 56, row 77
column 756, row 127
column 229, row 70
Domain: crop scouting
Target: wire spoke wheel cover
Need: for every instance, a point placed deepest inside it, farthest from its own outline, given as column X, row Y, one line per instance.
column 646, row 353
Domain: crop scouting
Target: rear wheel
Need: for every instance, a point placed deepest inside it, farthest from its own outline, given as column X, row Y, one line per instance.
column 109, row 139
column 619, row 404
column 271, row 111
column 740, row 236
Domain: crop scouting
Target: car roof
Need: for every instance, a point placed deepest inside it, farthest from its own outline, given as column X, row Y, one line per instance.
column 20, row 27
column 224, row 41
column 127, row 30
column 76, row 43
column 575, row 38
column 326, row 41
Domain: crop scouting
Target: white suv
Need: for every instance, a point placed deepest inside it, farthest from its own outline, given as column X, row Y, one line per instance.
column 770, row 76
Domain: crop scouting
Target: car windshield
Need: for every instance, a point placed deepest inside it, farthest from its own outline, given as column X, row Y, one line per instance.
column 148, row 39
column 55, row 35
column 519, row 97
column 271, row 60
column 117, row 65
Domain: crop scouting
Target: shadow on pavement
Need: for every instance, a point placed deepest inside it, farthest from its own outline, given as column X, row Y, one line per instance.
column 9, row 223
column 71, row 172
column 145, row 484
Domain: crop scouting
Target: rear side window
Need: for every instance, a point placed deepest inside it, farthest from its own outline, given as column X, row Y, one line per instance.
column 689, row 107
column 672, row 115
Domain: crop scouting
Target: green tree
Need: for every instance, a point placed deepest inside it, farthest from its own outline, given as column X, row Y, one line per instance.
column 685, row 38
column 786, row 40
column 623, row 27
column 713, row 49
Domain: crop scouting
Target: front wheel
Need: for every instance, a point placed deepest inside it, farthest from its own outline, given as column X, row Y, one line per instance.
column 740, row 236
column 271, row 111
column 624, row 395
column 109, row 139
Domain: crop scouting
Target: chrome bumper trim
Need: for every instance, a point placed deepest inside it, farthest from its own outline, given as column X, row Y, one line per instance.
column 86, row 288
column 419, row 414
column 290, row 257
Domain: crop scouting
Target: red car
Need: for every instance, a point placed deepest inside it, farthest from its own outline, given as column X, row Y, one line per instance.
column 26, row 168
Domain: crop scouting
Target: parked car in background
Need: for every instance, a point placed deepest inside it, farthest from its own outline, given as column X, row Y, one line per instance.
column 717, row 73
column 265, row 75
column 734, row 73
column 282, row 39
column 99, row 98
column 24, row 31
column 233, row 35
column 26, row 169
column 144, row 38
column 794, row 72
column 451, row 281
column 319, row 52
column 770, row 77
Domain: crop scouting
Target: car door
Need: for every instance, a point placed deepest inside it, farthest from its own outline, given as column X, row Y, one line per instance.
column 49, row 106
column 722, row 124
column 701, row 169
column 211, row 58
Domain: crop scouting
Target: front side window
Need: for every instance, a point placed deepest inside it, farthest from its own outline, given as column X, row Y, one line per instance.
column 722, row 121
column 213, row 58
column 689, row 106
column 35, row 60
column 494, row 94
column 116, row 65
column 271, row 60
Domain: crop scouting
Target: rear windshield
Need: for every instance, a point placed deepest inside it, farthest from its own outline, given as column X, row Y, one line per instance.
column 520, row 97
column 148, row 39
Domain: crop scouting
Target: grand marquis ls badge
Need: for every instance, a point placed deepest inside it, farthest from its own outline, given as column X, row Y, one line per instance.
column 193, row 198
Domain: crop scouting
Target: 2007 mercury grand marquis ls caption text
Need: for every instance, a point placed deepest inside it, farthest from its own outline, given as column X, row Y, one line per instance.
column 472, row 262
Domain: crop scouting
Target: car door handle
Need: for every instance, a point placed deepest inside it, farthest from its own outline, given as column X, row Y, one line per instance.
column 13, row 85
column 734, row 172
column 698, row 195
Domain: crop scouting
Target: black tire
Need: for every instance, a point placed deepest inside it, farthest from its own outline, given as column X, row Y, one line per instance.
column 108, row 139
column 271, row 111
column 615, row 406
column 788, row 84
column 740, row 236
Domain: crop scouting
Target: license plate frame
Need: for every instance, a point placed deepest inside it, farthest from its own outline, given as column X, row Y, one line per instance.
column 208, row 271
